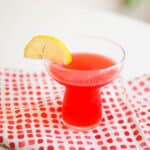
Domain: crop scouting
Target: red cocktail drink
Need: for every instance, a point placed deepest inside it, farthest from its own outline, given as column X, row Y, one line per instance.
column 83, row 78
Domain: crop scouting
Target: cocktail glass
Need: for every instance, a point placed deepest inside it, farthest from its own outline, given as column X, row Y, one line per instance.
column 82, row 105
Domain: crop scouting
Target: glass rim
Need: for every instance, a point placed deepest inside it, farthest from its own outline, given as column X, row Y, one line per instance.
column 119, row 63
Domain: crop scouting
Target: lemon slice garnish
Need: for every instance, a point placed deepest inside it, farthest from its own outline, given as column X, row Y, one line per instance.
column 44, row 46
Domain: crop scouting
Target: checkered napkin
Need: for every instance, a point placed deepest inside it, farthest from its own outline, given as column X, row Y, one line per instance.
column 30, row 115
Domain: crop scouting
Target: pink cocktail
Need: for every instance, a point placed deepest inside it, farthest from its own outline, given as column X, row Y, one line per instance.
column 92, row 67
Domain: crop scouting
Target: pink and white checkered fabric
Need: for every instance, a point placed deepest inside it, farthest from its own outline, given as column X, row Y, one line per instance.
column 30, row 115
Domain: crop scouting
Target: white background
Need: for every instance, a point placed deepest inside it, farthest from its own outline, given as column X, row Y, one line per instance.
column 20, row 20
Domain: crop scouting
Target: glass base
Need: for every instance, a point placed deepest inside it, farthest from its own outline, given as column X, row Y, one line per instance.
column 81, row 128
column 82, row 108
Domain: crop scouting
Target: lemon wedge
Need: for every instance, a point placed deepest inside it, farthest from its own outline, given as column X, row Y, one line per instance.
column 44, row 46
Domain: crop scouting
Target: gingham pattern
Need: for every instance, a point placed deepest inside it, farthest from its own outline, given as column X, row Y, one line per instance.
column 30, row 115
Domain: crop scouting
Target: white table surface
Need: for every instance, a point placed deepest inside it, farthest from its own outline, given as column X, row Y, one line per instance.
column 18, row 25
